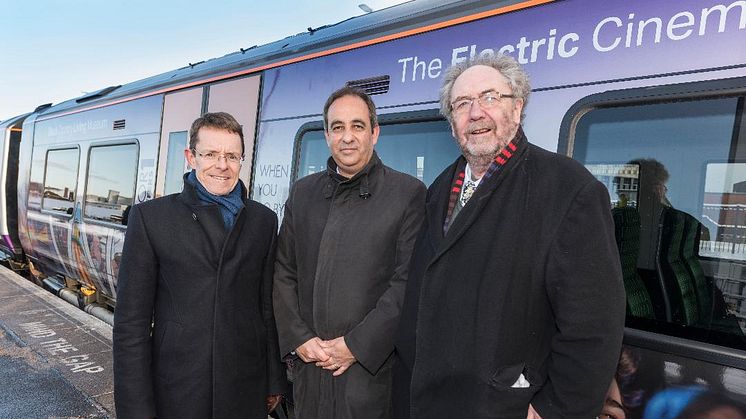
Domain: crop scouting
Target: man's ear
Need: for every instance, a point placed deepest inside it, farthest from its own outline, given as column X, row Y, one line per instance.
column 190, row 158
column 376, row 132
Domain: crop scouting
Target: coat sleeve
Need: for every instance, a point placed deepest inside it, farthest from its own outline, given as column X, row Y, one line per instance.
column 136, row 289
column 586, row 293
column 292, row 331
column 372, row 340
column 275, row 368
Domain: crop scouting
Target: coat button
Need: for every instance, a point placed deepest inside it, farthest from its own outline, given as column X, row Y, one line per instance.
column 194, row 216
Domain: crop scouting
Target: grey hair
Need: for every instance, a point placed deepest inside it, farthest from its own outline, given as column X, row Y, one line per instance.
column 507, row 66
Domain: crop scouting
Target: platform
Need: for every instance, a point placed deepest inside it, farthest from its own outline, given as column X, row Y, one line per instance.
column 55, row 359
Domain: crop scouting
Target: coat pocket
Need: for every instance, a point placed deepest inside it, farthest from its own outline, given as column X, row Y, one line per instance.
column 166, row 348
column 510, row 377
column 508, row 394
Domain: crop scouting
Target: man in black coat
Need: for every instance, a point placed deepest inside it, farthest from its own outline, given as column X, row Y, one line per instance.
column 194, row 330
column 342, row 259
column 514, row 305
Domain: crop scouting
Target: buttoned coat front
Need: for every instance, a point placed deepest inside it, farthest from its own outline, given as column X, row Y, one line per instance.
column 212, row 348
column 342, row 261
column 525, row 281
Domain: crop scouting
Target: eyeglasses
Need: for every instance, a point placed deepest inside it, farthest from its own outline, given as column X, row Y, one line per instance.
column 234, row 158
column 486, row 100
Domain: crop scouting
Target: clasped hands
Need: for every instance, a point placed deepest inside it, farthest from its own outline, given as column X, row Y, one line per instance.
column 332, row 355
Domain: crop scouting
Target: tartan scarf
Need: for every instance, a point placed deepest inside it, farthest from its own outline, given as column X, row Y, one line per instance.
column 498, row 163
column 230, row 205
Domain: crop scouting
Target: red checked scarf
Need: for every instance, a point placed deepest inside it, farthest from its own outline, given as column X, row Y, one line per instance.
column 458, row 180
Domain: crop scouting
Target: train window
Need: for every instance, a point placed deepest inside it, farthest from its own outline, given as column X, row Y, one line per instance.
column 60, row 180
column 421, row 149
column 110, row 184
column 175, row 162
column 678, row 193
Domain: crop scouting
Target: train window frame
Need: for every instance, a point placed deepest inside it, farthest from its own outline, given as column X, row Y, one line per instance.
column 397, row 118
column 70, row 212
column 131, row 141
column 638, row 331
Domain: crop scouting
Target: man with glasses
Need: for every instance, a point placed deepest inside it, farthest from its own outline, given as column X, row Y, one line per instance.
column 194, row 330
column 514, row 305
column 342, row 260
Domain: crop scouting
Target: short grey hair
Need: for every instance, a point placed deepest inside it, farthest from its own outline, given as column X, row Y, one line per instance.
column 507, row 66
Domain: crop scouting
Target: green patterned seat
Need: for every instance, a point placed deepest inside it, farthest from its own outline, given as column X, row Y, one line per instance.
column 627, row 233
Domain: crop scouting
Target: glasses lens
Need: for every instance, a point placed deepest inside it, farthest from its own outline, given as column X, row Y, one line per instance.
column 461, row 106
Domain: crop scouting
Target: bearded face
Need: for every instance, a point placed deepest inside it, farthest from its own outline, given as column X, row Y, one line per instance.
column 481, row 129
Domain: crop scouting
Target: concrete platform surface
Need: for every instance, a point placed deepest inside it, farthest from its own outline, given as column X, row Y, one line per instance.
column 55, row 359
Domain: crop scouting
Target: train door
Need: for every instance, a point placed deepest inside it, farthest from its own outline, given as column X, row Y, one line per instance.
column 10, row 135
column 179, row 110
column 239, row 98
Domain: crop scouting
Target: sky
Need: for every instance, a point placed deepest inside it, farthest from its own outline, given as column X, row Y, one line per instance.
column 55, row 50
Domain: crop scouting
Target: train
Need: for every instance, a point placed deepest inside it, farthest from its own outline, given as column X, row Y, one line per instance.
column 648, row 95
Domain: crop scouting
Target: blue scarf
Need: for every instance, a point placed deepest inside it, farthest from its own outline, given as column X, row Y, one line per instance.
column 229, row 204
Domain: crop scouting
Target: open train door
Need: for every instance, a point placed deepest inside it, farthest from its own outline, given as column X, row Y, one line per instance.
column 10, row 137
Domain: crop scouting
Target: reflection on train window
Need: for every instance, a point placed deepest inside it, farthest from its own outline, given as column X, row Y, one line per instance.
column 61, row 171
column 678, row 194
column 175, row 162
column 421, row 149
column 110, row 184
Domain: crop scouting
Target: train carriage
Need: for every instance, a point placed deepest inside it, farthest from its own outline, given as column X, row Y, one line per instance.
column 648, row 95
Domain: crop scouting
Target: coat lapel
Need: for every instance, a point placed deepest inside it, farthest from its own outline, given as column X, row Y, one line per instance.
column 437, row 205
column 209, row 219
column 471, row 212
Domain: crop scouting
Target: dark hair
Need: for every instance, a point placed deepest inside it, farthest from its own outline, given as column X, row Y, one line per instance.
column 351, row 91
column 217, row 120
column 507, row 66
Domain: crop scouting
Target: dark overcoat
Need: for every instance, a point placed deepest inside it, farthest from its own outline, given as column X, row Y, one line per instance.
column 526, row 281
column 212, row 348
column 342, row 261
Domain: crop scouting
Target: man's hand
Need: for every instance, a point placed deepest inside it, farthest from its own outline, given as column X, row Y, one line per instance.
column 272, row 402
column 532, row 413
column 311, row 351
column 340, row 357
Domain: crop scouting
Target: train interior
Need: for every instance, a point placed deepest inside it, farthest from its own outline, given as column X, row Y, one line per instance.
column 676, row 177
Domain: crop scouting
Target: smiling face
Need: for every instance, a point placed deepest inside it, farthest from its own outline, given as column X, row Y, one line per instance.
column 482, row 133
column 219, row 176
column 349, row 134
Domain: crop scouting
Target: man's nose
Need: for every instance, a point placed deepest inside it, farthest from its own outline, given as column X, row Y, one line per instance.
column 347, row 136
column 222, row 162
column 475, row 110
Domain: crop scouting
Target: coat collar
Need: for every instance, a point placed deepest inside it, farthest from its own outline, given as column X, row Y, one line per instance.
column 189, row 196
column 361, row 179
column 437, row 205
column 209, row 218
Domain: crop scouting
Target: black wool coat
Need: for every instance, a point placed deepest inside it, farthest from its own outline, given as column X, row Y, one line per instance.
column 526, row 281
column 342, row 261
column 211, row 350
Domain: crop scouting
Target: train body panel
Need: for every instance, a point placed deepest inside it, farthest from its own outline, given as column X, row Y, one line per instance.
column 85, row 170
column 625, row 87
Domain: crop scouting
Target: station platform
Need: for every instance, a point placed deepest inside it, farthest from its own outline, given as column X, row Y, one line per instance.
column 55, row 359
